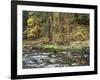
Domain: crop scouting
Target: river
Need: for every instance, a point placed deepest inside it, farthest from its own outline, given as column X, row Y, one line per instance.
column 33, row 58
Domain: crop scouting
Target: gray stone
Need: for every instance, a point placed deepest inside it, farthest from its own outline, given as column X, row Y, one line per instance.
column 74, row 64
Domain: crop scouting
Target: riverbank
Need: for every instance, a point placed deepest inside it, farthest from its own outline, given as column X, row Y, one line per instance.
column 47, row 56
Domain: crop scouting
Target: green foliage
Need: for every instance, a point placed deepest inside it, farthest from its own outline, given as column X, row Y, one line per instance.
column 55, row 31
column 62, row 35
column 68, row 26
column 75, row 47
column 83, row 19
column 81, row 50
column 51, row 46
column 79, row 47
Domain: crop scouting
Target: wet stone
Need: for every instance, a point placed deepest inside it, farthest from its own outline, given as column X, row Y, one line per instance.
column 74, row 64
column 85, row 56
column 39, row 59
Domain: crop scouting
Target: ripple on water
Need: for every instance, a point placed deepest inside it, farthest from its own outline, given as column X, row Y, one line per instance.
column 47, row 60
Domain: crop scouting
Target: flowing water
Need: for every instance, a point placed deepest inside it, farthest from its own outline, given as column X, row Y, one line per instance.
column 38, row 59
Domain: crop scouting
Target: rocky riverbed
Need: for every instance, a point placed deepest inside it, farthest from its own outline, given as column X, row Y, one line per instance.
column 33, row 58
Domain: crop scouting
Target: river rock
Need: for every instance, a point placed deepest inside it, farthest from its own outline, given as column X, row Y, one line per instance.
column 74, row 64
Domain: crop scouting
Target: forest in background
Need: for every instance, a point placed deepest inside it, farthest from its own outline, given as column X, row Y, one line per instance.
column 58, row 33
column 54, row 28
